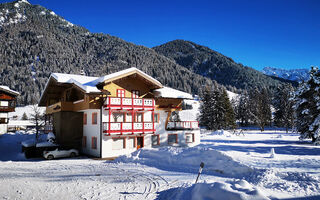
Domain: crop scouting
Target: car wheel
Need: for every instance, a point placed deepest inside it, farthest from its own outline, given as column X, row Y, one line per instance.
column 50, row 157
column 73, row 155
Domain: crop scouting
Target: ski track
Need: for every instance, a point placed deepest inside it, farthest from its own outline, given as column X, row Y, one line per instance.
column 76, row 179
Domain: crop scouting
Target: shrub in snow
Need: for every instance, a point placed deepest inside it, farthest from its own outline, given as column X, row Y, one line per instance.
column 307, row 107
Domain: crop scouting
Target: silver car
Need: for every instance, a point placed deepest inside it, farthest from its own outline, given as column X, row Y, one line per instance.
column 60, row 153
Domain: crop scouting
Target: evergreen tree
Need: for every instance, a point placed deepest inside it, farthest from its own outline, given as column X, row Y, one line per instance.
column 242, row 107
column 216, row 111
column 307, row 107
column 24, row 116
column 283, row 103
column 205, row 118
column 260, row 109
column 230, row 121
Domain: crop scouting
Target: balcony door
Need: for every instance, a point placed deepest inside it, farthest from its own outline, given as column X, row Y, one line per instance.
column 140, row 142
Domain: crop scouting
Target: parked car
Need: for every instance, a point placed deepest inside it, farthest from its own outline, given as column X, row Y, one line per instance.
column 60, row 153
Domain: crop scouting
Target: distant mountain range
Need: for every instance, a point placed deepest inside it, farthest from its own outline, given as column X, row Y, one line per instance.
column 289, row 74
column 34, row 42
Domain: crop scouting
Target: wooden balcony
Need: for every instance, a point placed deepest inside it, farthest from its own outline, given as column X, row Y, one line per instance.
column 120, row 128
column 183, row 125
column 7, row 109
column 129, row 103
column 60, row 106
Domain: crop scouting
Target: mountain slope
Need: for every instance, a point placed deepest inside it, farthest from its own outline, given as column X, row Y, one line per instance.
column 292, row 74
column 211, row 64
column 34, row 42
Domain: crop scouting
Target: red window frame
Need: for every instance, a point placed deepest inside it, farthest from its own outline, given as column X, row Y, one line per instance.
column 158, row 140
column 94, row 143
column 135, row 93
column 84, row 141
column 94, row 118
column 176, row 142
column 84, row 118
column 192, row 137
column 121, row 92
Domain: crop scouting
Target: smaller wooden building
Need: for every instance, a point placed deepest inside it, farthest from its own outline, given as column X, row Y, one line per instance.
column 7, row 104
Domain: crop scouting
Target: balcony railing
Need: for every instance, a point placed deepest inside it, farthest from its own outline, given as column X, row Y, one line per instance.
column 110, row 128
column 7, row 109
column 129, row 103
column 183, row 125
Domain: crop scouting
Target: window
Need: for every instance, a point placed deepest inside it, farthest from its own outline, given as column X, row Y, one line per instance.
column 84, row 118
column 94, row 142
column 94, row 118
column 4, row 103
column 156, row 118
column 139, row 117
column 121, row 93
column 118, row 117
column 118, row 143
column 128, row 117
column 131, row 142
column 135, row 93
column 172, row 138
column 155, row 140
column 84, row 141
column 189, row 137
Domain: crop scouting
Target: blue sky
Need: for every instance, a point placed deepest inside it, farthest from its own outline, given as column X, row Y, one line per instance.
column 256, row 33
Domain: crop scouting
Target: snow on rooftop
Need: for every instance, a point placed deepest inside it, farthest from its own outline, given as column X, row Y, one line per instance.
column 6, row 88
column 167, row 92
column 84, row 82
column 119, row 73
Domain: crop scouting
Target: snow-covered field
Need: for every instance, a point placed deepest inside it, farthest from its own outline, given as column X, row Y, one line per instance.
column 236, row 167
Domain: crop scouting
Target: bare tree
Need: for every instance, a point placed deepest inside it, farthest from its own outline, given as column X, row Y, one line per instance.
column 37, row 117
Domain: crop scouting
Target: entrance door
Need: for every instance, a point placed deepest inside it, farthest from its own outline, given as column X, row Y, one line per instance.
column 140, row 142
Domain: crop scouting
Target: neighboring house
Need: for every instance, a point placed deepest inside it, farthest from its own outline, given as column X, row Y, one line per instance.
column 15, row 125
column 7, row 104
column 116, row 114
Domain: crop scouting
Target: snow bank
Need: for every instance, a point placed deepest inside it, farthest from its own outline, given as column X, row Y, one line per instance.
column 188, row 160
column 238, row 190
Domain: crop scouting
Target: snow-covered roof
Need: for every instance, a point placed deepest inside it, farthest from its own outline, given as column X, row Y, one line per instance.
column 121, row 73
column 83, row 82
column 7, row 89
column 167, row 92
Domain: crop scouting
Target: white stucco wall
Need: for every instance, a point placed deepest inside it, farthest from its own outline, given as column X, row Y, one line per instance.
column 107, row 145
column 92, row 130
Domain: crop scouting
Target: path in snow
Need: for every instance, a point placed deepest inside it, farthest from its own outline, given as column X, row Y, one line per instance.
column 77, row 179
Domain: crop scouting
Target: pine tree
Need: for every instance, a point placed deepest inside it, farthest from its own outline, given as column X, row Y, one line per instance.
column 205, row 118
column 242, row 107
column 216, row 111
column 230, row 121
column 307, row 107
column 283, row 103
column 260, row 109
column 24, row 116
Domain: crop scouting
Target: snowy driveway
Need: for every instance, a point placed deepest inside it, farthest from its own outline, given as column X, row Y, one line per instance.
column 77, row 179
